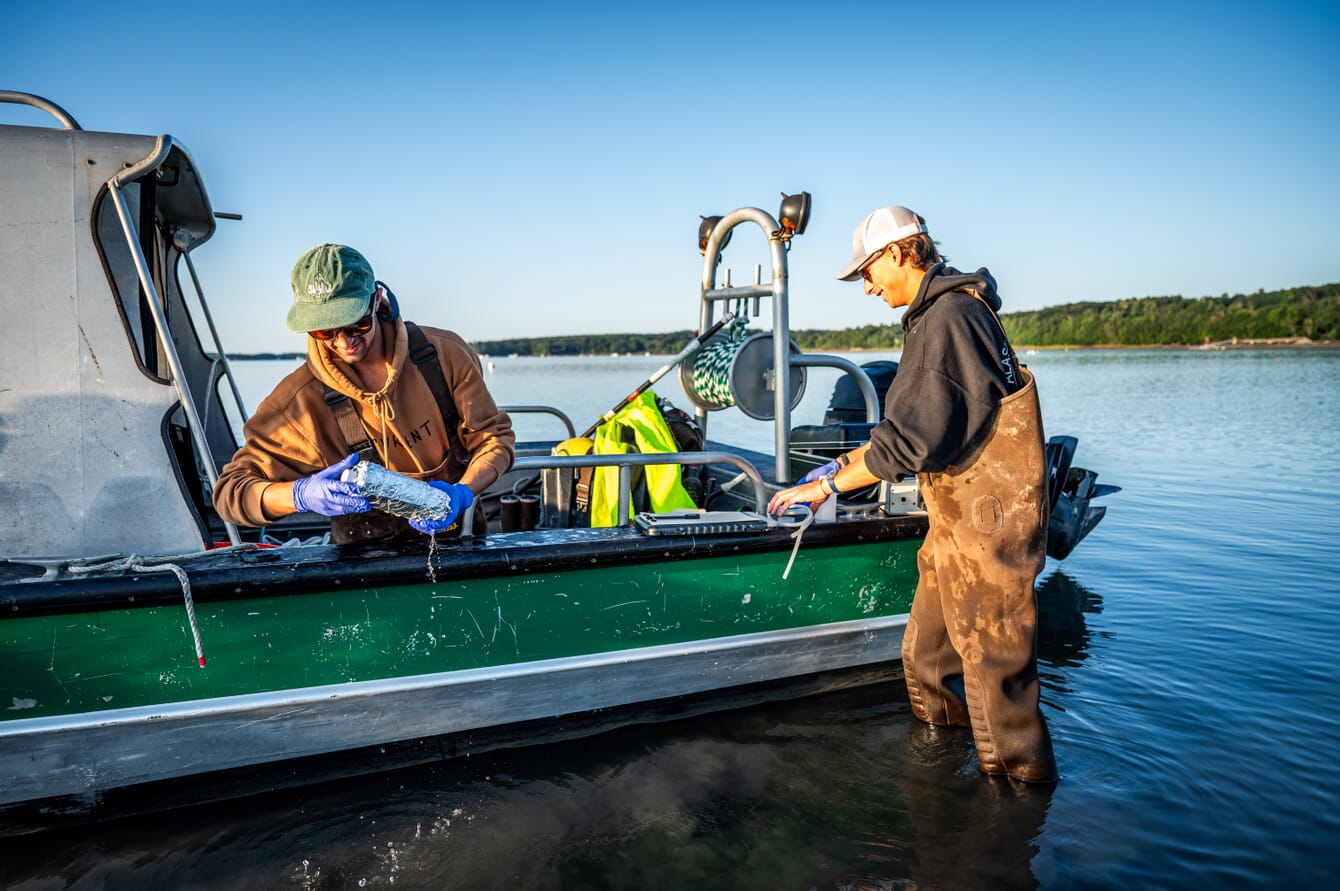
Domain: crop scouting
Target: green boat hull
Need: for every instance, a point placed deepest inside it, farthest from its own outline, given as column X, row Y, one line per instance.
column 76, row 663
column 114, row 697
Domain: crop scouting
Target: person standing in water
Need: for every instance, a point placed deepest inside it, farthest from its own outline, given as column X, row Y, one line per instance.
column 962, row 415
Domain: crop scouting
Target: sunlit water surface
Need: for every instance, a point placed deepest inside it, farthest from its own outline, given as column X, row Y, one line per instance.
column 1189, row 658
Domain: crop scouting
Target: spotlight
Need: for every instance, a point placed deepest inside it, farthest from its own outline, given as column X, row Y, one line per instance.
column 705, row 229
column 795, row 214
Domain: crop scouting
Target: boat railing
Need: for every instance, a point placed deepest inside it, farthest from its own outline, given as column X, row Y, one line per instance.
column 626, row 462
column 542, row 409
column 14, row 97
column 115, row 188
column 784, row 360
column 184, row 241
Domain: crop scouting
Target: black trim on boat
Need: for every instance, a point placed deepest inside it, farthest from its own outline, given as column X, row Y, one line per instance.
column 236, row 575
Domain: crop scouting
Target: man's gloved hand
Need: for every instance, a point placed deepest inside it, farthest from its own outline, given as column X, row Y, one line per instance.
column 460, row 498
column 818, row 472
column 324, row 493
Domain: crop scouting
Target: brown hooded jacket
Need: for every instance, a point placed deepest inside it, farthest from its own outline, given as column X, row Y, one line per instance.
column 293, row 432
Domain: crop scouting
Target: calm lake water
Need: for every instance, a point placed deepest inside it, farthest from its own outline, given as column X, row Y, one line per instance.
column 1189, row 658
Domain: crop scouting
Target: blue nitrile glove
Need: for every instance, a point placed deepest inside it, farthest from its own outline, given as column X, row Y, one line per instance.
column 460, row 498
column 326, row 494
column 818, row 472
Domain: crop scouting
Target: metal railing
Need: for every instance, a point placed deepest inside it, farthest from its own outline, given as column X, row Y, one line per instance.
column 115, row 187
column 542, row 409
column 626, row 463
column 14, row 97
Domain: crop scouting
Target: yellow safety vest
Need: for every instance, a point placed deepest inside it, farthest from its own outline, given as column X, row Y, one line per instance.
column 649, row 434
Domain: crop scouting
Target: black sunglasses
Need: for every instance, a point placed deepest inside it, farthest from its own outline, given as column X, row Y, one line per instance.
column 357, row 329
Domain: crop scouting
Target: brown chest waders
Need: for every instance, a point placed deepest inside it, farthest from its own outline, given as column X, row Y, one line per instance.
column 974, row 616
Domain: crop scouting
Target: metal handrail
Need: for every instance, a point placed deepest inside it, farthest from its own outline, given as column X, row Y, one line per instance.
column 14, row 97
column 777, row 288
column 867, row 386
column 542, row 409
column 184, row 242
column 156, row 309
column 626, row 462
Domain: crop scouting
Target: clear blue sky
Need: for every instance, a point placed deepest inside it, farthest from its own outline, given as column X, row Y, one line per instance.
column 525, row 169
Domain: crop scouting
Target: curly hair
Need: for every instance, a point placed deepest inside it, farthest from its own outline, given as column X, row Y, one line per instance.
column 920, row 250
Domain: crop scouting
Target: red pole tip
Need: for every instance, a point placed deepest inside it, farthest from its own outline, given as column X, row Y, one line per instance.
column 202, row 661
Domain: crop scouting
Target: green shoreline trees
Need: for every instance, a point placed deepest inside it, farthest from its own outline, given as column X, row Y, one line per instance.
column 1310, row 312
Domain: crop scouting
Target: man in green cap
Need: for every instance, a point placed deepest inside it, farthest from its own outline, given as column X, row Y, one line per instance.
column 375, row 388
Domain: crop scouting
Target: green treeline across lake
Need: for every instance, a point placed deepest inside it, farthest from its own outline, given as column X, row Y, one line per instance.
column 1307, row 312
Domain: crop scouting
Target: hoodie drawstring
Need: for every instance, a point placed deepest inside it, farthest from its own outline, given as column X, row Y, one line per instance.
column 385, row 411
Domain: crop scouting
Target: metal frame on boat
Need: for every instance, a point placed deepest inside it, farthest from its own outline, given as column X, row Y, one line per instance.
column 114, row 420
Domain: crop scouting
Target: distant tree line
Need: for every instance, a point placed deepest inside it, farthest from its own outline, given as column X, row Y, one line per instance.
column 1311, row 312
column 586, row 344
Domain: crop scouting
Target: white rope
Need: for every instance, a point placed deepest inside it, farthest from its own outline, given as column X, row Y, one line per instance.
column 800, row 530
column 134, row 564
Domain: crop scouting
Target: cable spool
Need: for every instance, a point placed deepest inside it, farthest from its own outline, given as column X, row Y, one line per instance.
column 739, row 373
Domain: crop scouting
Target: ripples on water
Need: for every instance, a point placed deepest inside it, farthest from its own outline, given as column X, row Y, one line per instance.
column 1188, row 658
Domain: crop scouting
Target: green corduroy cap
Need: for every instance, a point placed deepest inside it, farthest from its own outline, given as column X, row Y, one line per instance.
column 332, row 285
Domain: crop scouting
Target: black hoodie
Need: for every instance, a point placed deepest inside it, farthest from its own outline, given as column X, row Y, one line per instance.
column 955, row 368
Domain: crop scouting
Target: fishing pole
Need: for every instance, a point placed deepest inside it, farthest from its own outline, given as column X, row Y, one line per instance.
column 661, row 372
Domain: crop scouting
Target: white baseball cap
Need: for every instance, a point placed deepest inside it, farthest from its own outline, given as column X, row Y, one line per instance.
column 877, row 231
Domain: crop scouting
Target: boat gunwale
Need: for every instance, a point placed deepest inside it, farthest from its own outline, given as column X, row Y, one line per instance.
column 294, row 571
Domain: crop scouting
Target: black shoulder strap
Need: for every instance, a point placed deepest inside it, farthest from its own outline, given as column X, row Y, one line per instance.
column 355, row 436
column 1004, row 338
column 424, row 356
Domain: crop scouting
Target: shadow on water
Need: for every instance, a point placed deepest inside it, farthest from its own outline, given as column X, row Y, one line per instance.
column 843, row 791
column 1064, row 637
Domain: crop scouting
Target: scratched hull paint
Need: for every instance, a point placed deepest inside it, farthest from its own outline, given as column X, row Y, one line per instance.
column 72, row 663
column 110, row 699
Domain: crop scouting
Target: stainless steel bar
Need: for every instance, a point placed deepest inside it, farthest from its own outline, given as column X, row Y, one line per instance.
column 781, row 354
column 781, row 328
column 625, row 492
column 540, row 462
column 182, row 239
column 114, row 186
column 739, row 292
column 13, row 97
column 872, row 406
column 542, row 409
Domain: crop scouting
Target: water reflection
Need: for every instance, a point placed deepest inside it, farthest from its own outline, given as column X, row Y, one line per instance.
column 840, row 791
column 1063, row 633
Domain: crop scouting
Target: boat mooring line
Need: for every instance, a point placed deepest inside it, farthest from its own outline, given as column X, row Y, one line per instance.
column 133, row 564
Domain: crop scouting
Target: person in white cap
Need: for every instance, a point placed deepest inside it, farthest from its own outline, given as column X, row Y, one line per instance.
column 962, row 415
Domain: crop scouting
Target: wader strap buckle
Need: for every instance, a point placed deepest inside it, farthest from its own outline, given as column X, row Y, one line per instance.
column 355, row 436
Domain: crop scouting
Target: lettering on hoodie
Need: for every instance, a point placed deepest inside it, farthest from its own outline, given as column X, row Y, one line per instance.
column 415, row 437
column 1007, row 363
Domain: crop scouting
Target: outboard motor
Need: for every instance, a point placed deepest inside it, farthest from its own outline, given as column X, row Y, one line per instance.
column 846, row 405
column 1070, row 491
